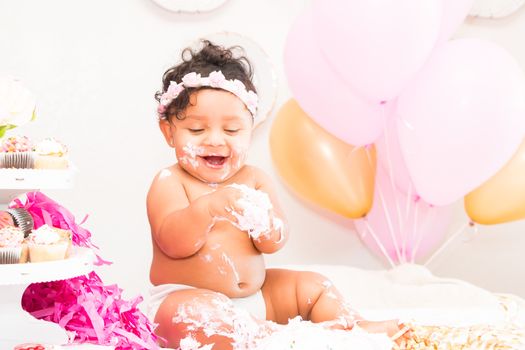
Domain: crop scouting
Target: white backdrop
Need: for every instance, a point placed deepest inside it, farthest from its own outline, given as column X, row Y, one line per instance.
column 95, row 65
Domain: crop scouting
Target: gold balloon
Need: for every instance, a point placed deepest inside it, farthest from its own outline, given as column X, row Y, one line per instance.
column 502, row 198
column 320, row 167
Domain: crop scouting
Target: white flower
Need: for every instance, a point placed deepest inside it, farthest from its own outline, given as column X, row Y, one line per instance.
column 192, row 80
column 216, row 79
column 251, row 100
column 17, row 103
column 238, row 87
column 174, row 90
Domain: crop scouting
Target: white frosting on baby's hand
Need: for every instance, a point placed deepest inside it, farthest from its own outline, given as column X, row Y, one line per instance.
column 256, row 206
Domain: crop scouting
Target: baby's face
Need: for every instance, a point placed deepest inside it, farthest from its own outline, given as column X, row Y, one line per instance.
column 212, row 140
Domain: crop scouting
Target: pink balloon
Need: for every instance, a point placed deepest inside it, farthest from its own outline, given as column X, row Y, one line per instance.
column 404, row 228
column 461, row 119
column 390, row 157
column 454, row 13
column 377, row 46
column 322, row 95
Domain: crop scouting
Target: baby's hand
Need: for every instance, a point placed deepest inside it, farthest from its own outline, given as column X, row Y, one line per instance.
column 223, row 202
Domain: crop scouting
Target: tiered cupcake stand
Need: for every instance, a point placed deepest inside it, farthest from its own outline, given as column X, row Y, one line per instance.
column 16, row 325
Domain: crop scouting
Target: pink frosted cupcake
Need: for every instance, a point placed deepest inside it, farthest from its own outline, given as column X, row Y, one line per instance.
column 48, row 243
column 50, row 154
column 12, row 248
column 16, row 152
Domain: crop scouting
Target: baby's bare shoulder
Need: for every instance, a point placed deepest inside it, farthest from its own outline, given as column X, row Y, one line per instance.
column 167, row 192
column 163, row 175
column 166, row 179
column 260, row 176
column 251, row 170
column 250, row 175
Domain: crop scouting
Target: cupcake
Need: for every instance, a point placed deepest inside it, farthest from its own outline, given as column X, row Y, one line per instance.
column 12, row 249
column 48, row 243
column 50, row 154
column 21, row 219
column 16, row 152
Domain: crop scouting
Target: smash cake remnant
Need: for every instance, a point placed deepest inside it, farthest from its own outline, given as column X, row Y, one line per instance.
column 190, row 343
column 223, row 319
column 247, row 333
column 256, row 206
column 306, row 335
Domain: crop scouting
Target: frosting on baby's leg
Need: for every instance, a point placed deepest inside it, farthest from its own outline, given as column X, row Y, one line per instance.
column 217, row 317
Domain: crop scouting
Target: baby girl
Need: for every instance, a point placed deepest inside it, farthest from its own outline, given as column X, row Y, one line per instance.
column 213, row 217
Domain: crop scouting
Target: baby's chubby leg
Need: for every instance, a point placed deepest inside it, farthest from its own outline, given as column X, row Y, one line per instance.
column 307, row 294
column 189, row 316
column 312, row 296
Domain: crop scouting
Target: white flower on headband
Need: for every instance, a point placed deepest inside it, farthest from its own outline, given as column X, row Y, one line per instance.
column 252, row 100
column 192, row 80
column 173, row 91
column 215, row 80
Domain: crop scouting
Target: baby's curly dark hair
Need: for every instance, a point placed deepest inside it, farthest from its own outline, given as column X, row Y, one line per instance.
column 209, row 58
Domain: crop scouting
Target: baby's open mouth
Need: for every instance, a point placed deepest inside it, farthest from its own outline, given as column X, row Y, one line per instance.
column 214, row 160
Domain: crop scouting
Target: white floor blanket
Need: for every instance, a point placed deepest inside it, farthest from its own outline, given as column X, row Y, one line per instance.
column 412, row 293
column 446, row 313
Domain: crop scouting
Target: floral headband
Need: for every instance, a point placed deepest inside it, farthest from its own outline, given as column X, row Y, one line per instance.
column 215, row 80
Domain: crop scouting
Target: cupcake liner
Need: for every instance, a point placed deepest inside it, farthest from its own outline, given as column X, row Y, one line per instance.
column 17, row 160
column 48, row 252
column 22, row 219
column 50, row 162
column 10, row 255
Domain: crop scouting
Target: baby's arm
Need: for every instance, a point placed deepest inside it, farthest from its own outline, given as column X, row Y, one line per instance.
column 178, row 226
column 275, row 239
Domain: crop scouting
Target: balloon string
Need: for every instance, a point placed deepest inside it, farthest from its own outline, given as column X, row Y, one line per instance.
column 390, row 226
column 379, row 244
column 408, row 208
column 409, row 200
column 391, row 174
column 414, row 228
column 389, row 222
column 449, row 240
column 420, row 238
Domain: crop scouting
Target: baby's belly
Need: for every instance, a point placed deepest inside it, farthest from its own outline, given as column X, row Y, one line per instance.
column 227, row 263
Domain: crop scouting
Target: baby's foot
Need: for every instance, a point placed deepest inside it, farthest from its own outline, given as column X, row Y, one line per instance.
column 398, row 332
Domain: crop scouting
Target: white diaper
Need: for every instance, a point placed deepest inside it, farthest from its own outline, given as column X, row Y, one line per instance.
column 254, row 303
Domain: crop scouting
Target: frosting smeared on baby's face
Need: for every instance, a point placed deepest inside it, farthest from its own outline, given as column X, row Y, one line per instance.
column 190, row 154
column 213, row 137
